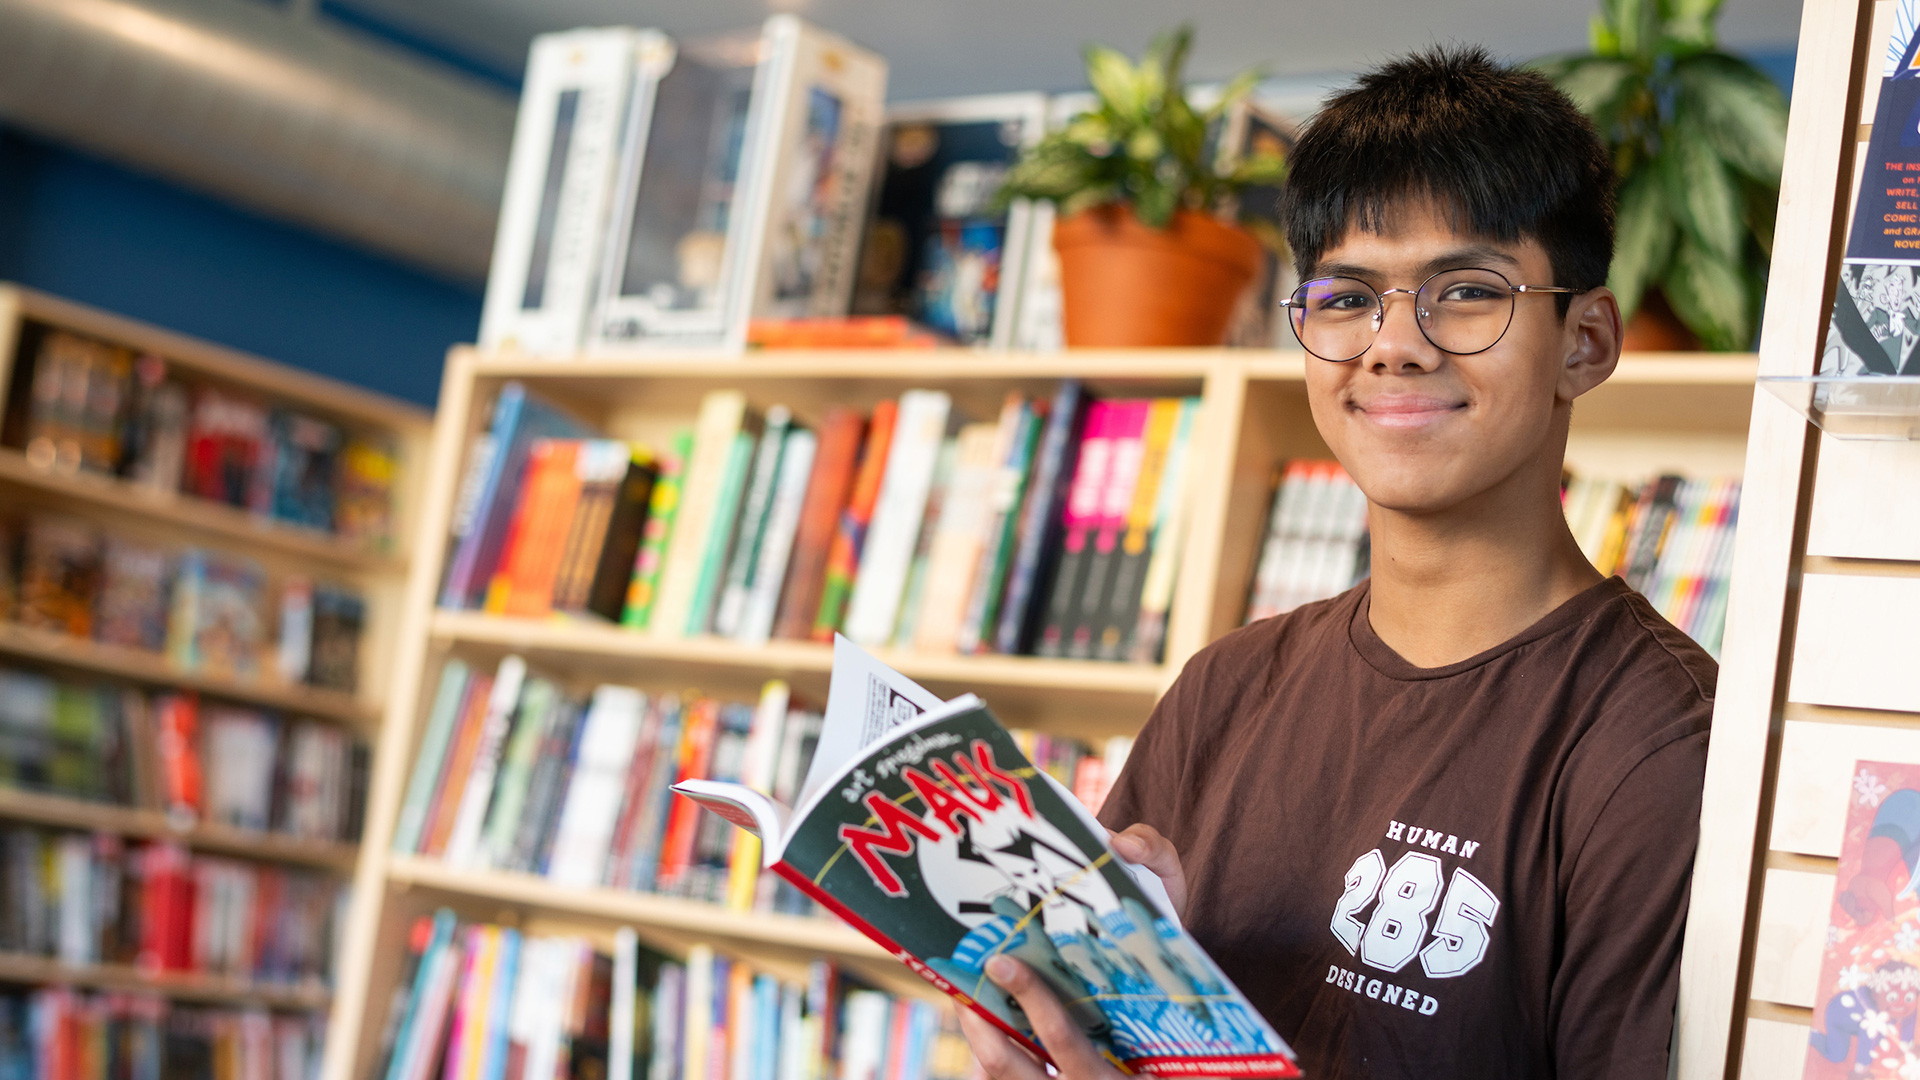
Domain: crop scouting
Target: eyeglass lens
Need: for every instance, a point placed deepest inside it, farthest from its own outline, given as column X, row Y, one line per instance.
column 1460, row 311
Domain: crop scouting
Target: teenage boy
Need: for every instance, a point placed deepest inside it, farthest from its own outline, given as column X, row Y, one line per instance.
column 1441, row 825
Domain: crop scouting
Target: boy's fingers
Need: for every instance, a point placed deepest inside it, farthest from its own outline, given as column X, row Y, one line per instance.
column 1065, row 1043
column 1143, row 845
column 999, row 1056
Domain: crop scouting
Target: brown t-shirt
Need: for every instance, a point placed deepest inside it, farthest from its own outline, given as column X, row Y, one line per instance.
column 1476, row 871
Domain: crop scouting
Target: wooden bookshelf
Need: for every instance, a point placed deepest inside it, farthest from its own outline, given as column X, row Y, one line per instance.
column 1660, row 411
column 57, row 811
column 174, row 521
column 178, row 985
column 52, row 649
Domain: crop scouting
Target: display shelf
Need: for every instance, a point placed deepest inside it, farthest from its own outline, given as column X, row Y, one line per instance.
column 186, row 512
column 178, row 985
column 928, row 365
column 661, row 912
column 68, row 813
column 1871, row 407
column 1077, row 693
column 139, row 665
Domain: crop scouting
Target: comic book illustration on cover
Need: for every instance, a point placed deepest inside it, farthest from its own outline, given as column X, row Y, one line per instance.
column 923, row 826
column 1869, row 989
column 1875, row 327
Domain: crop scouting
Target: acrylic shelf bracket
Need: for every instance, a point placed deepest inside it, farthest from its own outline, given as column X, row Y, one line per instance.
column 1882, row 408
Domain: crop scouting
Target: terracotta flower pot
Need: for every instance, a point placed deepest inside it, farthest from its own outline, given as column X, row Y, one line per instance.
column 1127, row 284
column 1655, row 328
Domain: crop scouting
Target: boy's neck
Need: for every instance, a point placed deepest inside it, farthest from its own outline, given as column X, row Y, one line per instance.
column 1451, row 585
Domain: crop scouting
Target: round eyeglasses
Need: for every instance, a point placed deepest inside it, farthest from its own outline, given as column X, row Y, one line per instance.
column 1462, row 312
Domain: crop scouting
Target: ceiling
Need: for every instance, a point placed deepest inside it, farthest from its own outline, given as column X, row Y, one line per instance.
column 942, row 47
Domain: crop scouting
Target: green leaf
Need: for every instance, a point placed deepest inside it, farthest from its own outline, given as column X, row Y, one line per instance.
column 1602, row 37
column 1145, row 145
column 1260, row 170
column 1632, row 24
column 1602, row 87
column 1688, row 24
column 1113, row 77
column 1643, row 240
column 1155, row 203
column 1238, row 87
column 1700, row 190
column 1738, row 109
column 1712, row 296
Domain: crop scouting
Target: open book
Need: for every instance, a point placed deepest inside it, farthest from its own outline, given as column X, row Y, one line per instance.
column 923, row 826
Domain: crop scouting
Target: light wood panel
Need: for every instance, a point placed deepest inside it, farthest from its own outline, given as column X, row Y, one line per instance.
column 1723, row 914
column 1792, row 935
column 1775, row 1050
column 1864, row 502
column 1855, row 643
column 1815, row 784
column 58, row 811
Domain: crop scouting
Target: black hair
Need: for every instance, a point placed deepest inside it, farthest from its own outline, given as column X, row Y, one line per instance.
column 1501, row 150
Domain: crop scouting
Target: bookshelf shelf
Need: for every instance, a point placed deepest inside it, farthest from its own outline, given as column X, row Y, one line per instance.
column 661, row 912
column 61, row 812
column 689, row 658
column 178, row 985
column 138, row 665
column 199, row 516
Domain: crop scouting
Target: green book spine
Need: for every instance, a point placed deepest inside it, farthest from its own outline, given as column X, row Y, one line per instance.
column 516, row 771
column 433, row 749
column 661, row 509
column 726, row 511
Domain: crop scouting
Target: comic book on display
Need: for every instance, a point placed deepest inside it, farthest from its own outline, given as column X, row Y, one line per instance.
column 582, row 87
column 1249, row 130
column 742, row 191
column 935, row 250
column 1875, row 325
column 1869, row 990
column 922, row 825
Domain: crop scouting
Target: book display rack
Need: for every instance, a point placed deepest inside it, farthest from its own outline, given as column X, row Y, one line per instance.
column 1659, row 414
column 202, row 558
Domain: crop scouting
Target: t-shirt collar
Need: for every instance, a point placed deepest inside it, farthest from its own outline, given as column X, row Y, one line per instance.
column 1381, row 657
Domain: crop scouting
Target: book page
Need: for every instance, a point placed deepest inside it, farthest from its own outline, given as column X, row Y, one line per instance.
column 866, row 699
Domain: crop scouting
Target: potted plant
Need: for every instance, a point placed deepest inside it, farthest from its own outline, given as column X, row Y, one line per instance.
column 1146, row 254
column 1697, row 137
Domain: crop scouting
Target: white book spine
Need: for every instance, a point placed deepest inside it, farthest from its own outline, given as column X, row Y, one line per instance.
column 897, row 516
column 755, row 625
column 744, row 560
column 626, row 964
column 593, row 797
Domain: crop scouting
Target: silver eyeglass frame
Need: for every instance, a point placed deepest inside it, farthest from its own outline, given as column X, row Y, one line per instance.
column 1297, row 302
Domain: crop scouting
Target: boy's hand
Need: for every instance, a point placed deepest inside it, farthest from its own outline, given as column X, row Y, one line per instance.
column 1142, row 845
column 1004, row 1059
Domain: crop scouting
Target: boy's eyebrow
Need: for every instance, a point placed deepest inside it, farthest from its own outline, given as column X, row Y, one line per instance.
column 1451, row 259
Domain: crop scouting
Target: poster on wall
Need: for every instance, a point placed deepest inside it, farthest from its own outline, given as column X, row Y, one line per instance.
column 1869, row 991
column 1875, row 326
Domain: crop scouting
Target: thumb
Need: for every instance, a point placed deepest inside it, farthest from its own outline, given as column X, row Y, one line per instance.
column 1142, row 845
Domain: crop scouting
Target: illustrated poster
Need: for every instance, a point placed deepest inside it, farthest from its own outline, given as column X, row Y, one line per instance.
column 1869, row 989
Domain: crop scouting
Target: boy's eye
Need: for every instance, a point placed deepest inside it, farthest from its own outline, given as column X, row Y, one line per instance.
column 1346, row 301
column 1467, row 292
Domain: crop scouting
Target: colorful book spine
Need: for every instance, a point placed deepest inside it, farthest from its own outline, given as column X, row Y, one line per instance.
column 1148, row 642
column 1042, row 523
column 755, row 503
column 722, row 413
column 1078, row 519
column 663, row 510
column 1004, row 502
column 888, row 554
column 777, row 538
column 843, row 555
column 1112, row 633
column 1116, row 497
column 712, row 567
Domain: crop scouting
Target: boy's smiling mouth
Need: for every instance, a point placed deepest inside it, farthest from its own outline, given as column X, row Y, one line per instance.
column 1406, row 410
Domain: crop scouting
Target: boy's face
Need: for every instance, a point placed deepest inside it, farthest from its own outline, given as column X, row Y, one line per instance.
column 1425, row 431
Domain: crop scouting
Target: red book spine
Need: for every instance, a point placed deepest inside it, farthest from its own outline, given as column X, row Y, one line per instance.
column 843, row 556
column 827, row 492
column 683, row 820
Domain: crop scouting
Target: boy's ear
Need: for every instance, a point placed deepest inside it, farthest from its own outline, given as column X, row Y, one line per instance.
column 1591, row 342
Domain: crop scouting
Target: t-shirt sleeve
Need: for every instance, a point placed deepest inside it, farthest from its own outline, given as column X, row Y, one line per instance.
column 1150, row 785
column 1611, row 1007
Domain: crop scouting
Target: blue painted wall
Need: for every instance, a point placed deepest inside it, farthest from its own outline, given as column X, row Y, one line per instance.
column 92, row 231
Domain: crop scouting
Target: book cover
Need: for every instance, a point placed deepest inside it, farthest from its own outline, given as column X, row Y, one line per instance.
column 710, row 569
column 59, row 576
column 1114, row 629
column 722, row 414
column 849, row 538
column 1042, row 514
column 955, row 553
column 756, row 501
column 1147, row 644
column 363, row 501
column 925, row 828
column 225, row 442
column 836, row 458
column 1079, row 518
column 1110, row 519
column 339, row 620
column 935, row 249
column 132, row 607
column 542, row 516
column 887, row 555
column 611, row 575
column 218, row 623
column 1868, row 994
column 663, row 510
column 299, row 465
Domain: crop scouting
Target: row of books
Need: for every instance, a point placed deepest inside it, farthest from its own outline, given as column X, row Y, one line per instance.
column 1670, row 537
column 1316, row 539
column 206, row 610
column 87, row 404
column 669, row 194
column 514, row 773
column 479, row 1002
column 56, row 1033
column 1052, row 529
column 93, row 898
column 198, row 761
